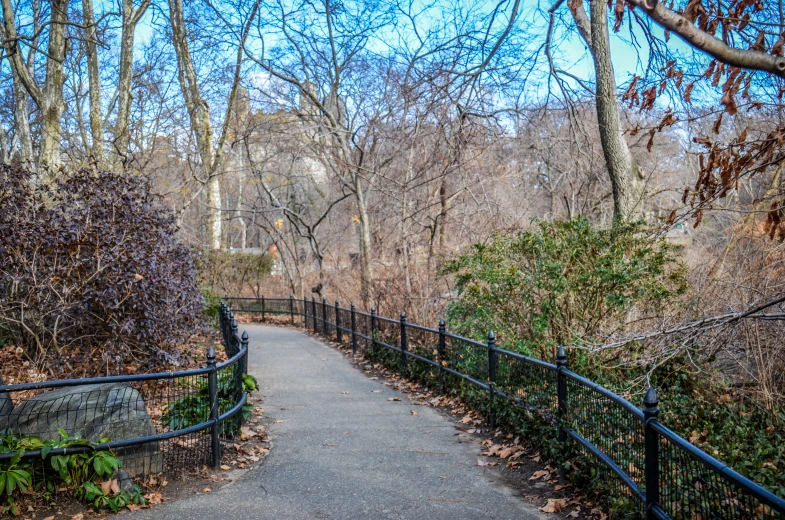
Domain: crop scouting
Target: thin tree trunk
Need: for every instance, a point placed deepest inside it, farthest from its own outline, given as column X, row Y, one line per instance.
column 22, row 119
column 94, row 79
column 122, row 135
column 626, row 176
column 199, row 114
column 444, row 208
column 366, row 272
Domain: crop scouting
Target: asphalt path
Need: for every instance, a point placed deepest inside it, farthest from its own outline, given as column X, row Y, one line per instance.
column 343, row 450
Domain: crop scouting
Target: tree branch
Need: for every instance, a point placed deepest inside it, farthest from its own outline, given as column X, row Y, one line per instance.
column 703, row 41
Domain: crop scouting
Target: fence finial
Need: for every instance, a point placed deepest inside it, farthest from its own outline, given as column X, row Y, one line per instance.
column 244, row 337
column 441, row 323
column 210, row 354
column 650, row 400
column 492, row 337
column 403, row 315
column 561, row 357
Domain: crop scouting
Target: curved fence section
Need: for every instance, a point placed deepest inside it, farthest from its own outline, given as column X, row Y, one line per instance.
column 160, row 422
column 651, row 471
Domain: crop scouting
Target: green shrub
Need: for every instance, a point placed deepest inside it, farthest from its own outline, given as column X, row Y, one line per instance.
column 565, row 283
column 211, row 305
column 560, row 283
column 195, row 408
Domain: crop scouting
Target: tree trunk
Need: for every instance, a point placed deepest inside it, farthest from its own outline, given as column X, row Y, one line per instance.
column 94, row 79
column 22, row 119
column 53, row 104
column 122, row 136
column 199, row 114
column 626, row 176
column 366, row 273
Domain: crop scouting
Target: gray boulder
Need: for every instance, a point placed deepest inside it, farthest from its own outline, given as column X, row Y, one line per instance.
column 110, row 410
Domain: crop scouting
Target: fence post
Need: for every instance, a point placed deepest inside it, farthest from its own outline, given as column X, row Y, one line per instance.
column 234, row 336
column 354, row 329
column 262, row 308
column 338, row 331
column 291, row 307
column 373, row 333
column 561, row 393
column 212, row 388
column 241, row 369
column 325, row 328
column 222, row 320
column 651, row 412
column 440, row 354
column 305, row 312
column 491, row 377
column 313, row 307
column 225, row 324
column 404, row 345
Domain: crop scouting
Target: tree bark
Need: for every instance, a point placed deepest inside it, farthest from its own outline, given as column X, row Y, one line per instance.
column 53, row 105
column 366, row 272
column 199, row 114
column 94, row 79
column 122, row 136
column 22, row 119
column 626, row 176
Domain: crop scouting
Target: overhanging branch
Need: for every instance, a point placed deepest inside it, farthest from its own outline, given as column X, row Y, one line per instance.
column 703, row 41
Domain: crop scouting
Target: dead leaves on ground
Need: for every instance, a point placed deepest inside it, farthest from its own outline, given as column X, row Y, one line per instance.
column 511, row 452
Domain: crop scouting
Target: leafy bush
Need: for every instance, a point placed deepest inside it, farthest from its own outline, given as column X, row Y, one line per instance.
column 91, row 260
column 564, row 283
column 83, row 475
column 560, row 283
column 195, row 408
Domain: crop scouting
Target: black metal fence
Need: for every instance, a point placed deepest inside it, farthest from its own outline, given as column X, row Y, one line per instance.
column 654, row 473
column 160, row 422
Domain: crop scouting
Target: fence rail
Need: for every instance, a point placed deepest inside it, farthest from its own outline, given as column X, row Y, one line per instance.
column 158, row 422
column 656, row 472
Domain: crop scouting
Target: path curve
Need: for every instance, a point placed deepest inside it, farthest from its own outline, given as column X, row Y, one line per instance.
column 344, row 451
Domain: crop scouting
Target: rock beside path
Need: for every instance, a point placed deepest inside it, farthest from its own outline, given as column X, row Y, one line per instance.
column 109, row 410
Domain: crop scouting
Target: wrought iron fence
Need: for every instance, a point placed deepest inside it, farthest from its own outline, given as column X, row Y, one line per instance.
column 653, row 470
column 160, row 422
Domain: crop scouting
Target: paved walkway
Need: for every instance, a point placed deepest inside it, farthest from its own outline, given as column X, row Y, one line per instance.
column 341, row 450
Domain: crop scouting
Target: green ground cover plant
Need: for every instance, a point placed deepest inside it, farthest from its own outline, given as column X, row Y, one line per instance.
column 85, row 476
column 195, row 408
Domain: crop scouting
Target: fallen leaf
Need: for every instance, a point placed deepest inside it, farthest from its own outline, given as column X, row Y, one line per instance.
column 540, row 474
column 414, row 413
column 206, row 490
column 554, row 505
column 393, row 398
column 154, row 498
column 224, row 467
